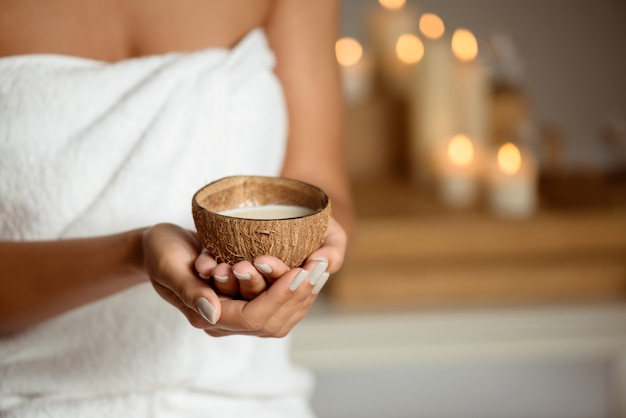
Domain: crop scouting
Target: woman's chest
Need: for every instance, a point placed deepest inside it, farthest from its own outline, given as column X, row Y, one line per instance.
column 113, row 30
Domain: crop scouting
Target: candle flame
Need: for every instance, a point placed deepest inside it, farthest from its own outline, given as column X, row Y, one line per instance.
column 409, row 48
column 392, row 4
column 461, row 150
column 348, row 51
column 509, row 159
column 464, row 45
column 432, row 26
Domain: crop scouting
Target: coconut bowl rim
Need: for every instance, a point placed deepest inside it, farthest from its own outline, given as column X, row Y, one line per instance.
column 324, row 206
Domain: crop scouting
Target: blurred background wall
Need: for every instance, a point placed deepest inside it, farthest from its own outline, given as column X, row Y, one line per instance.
column 573, row 54
column 571, row 64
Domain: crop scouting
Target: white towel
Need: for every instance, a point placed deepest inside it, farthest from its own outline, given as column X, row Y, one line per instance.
column 90, row 148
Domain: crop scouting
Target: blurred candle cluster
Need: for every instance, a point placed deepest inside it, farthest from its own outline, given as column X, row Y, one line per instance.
column 447, row 89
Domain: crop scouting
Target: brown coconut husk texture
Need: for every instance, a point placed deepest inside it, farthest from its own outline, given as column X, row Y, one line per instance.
column 230, row 240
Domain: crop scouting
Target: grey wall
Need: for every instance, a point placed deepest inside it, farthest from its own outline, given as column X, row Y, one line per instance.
column 574, row 52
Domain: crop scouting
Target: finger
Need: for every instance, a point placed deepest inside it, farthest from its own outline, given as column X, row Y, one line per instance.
column 192, row 291
column 206, row 310
column 301, row 311
column 293, row 315
column 271, row 267
column 297, row 306
column 245, row 318
column 224, row 281
column 317, row 288
column 253, row 316
column 333, row 248
column 204, row 264
column 317, row 266
column 274, row 312
column 251, row 281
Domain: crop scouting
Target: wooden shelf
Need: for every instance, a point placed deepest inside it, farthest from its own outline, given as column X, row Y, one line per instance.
column 410, row 251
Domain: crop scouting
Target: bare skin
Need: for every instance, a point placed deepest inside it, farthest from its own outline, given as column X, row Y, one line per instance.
column 250, row 298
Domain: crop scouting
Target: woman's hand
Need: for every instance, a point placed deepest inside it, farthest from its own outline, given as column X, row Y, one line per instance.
column 277, row 309
column 247, row 280
column 169, row 252
column 268, row 304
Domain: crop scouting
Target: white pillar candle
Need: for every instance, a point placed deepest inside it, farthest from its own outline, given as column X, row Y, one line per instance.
column 512, row 182
column 385, row 24
column 471, row 89
column 432, row 107
column 356, row 70
column 409, row 51
column 457, row 185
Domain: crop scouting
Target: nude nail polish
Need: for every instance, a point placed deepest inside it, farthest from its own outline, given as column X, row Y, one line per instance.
column 320, row 283
column 221, row 279
column 317, row 272
column 206, row 310
column 263, row 268
column 242, row 276
column 298, row 280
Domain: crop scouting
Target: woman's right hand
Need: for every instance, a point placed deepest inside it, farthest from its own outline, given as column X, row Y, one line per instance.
column 278, row 308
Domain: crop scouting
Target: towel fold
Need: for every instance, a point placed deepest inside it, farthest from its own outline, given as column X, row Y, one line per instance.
column 83, row 141
column 90, row 148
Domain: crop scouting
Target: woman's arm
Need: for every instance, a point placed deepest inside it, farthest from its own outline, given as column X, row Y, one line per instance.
column 303, row 33
column 43, row 279
column 40, row 280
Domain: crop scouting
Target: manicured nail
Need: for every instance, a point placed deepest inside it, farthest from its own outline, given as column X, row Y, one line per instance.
column 320, row 283
column 206, row 309
column 202, row 276
column 317, row 272
column 263, row 268
column 221, row 279
column 298, row 280
column 242, row 276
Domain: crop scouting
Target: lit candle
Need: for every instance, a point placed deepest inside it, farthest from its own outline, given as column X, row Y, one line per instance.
column 431, row 104
column 386, row 24
column 356, row 70
column 471, row 92
column 512, row 182
column 408, row 50
column 457, row 172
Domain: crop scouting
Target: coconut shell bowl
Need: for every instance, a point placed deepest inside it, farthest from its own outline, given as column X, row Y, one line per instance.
column 242, row 217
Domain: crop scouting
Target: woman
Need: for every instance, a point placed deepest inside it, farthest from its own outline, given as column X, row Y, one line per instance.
column 111, row 114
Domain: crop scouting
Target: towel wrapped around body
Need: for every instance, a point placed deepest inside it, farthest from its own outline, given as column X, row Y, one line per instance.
column 90, row 148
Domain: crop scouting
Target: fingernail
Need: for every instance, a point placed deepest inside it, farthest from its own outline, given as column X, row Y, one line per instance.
column 317, row 271
column 206, row 309
column 298, row 280
column 202, row 276
column 320, row 258
column 320, row 283
column 263, row 268
column 242, row 276
column 221, row 279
